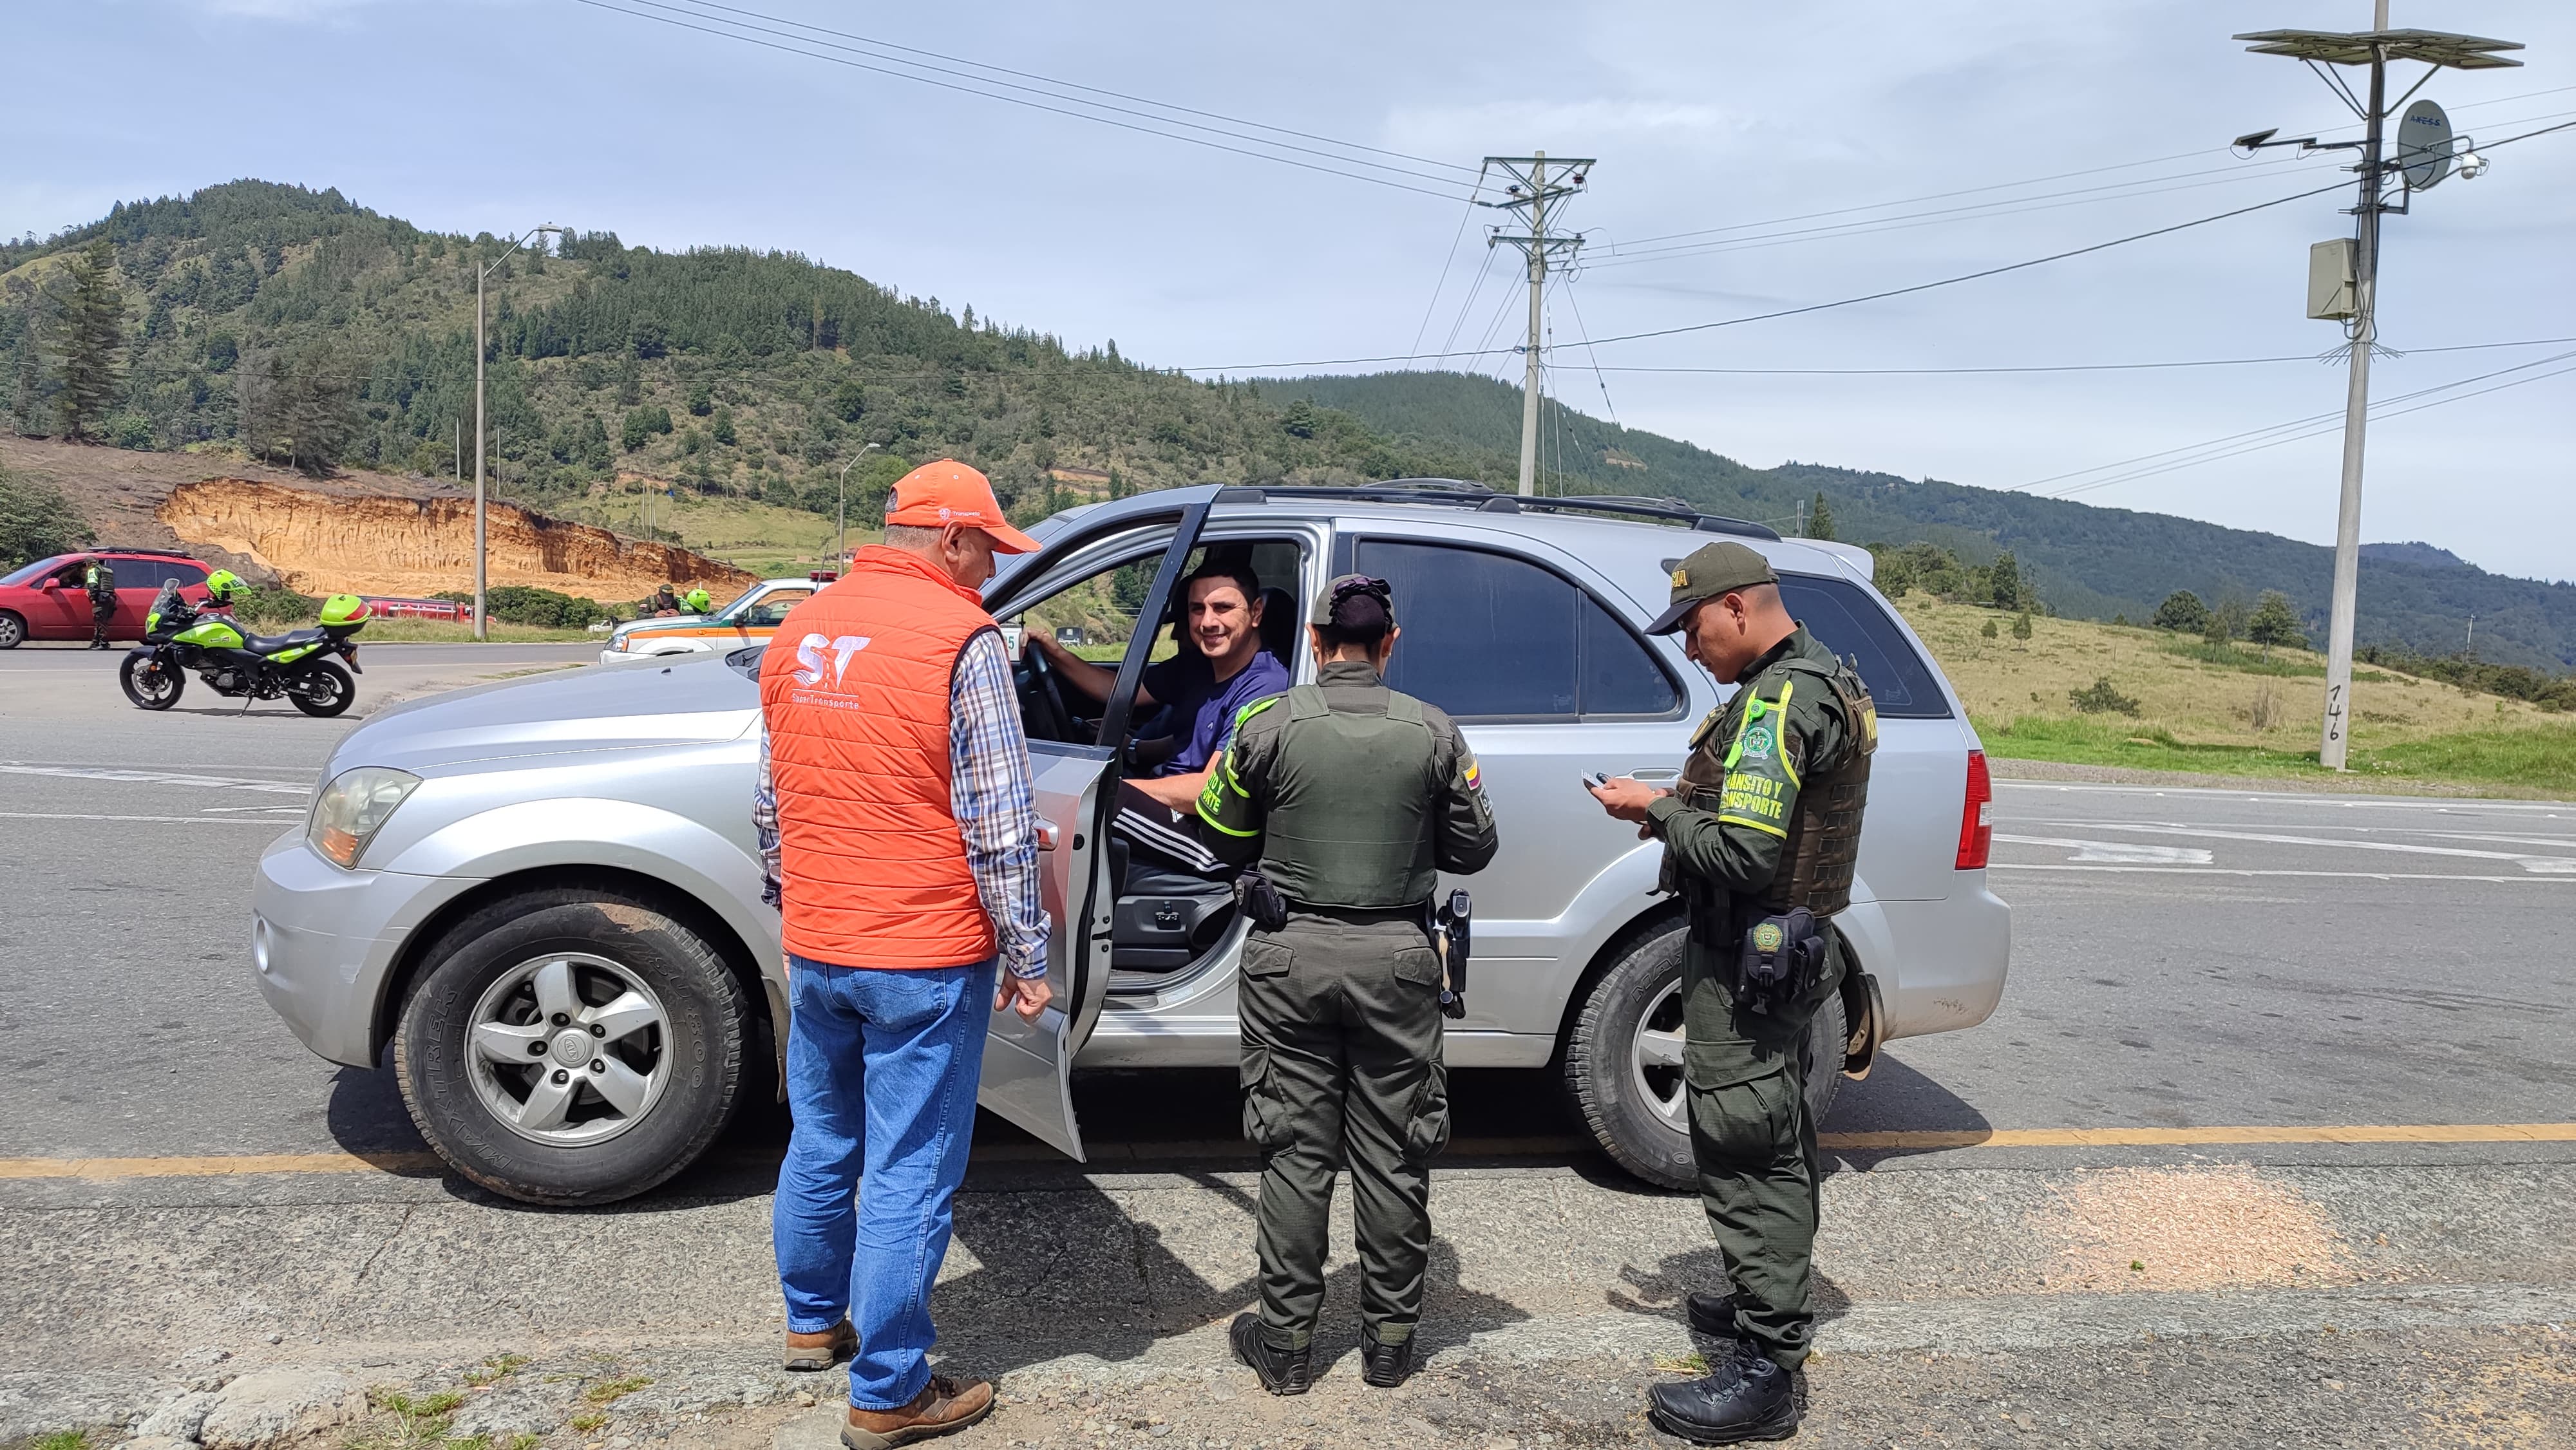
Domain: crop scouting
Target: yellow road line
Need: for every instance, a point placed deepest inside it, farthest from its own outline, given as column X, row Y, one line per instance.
column 226, row 1165
column 219, row 1165
column 2205, row 1137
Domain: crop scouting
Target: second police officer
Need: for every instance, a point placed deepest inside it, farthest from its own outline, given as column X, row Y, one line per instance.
column 1760, row 837
column 1352, row 797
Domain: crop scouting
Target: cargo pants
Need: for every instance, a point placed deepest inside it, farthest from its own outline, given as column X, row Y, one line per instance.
column 1341, row 1065
column 1753, row 1141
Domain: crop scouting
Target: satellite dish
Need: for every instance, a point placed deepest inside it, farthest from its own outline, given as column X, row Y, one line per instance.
column 2424, row 145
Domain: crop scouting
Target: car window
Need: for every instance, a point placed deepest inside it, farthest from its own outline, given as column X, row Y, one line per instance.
column 187, row 574
column 144, row 573
column 1490, row 636
column 1842, row 616
column 27, row 574
column 771, row 611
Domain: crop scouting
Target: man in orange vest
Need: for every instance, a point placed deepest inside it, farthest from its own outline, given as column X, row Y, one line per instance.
column 900, row 842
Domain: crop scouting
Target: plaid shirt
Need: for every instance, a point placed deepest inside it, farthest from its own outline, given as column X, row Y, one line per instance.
column 988, row 783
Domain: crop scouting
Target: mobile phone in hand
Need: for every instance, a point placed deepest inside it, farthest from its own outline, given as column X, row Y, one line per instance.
column 1596, row 780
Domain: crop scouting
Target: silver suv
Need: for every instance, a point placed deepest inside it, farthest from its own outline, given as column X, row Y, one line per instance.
column 543, row 896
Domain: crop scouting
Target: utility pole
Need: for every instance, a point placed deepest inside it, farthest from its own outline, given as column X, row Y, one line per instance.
column 2374, row 48
column 482, row 625
column 1533, row 193
column 841, row 530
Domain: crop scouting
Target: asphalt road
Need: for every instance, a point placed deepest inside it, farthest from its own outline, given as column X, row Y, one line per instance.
column 2186, row 962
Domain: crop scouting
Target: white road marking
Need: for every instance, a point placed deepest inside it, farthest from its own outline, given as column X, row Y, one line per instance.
column 248, row 810
column 2543, row 865
column 2248, row 871
column 164, row 820
column 2461, row 804
column 2117, row 851
column 155, row 777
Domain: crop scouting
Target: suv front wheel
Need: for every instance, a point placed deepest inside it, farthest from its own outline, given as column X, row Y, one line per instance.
column 571, row 1046
column 1623, row 1062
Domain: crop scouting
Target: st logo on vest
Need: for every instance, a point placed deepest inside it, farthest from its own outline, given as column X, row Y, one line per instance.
column 809, row 659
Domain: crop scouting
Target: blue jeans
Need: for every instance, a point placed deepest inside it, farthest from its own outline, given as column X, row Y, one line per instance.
column 881, row 1074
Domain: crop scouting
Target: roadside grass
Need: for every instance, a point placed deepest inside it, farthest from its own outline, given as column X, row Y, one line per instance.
column 63, row 1440
column 2226, row 710
column 437, row 631
column 770, row 540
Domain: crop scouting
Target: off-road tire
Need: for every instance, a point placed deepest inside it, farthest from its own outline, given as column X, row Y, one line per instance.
column 709, row 1029
column 1600, row 1080
column 13, row 630
column 338, row 703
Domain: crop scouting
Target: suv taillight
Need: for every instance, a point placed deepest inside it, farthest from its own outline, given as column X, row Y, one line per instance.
column 1976, row 816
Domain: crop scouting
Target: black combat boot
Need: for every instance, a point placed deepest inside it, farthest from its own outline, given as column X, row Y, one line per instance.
column 1282, row 1371
column 1385, row 1365
column 1743, row 1397
column 1712, row 1314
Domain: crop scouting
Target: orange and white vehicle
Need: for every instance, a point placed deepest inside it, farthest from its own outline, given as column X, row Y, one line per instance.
column 749, row 619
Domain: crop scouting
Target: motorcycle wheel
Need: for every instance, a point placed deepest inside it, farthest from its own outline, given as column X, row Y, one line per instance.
column 151, row 682
column 323, row 691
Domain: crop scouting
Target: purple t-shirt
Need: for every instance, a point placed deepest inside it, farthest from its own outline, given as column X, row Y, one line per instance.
column 1202, row 707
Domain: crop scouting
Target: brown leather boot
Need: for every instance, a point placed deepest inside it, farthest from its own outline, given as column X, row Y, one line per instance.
column 945, row 1406
column 822, row 1349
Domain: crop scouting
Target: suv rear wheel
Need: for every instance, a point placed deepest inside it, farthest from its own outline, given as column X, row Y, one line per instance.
column 571, row 1046
column 1623, row 1063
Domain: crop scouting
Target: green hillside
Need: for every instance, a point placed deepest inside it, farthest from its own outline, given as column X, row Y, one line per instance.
column 2087, row 562
column 298, row 327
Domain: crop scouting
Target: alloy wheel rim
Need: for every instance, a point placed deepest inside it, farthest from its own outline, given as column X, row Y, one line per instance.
column 1655, row 1066
column 155, row 680
column 569, row 1049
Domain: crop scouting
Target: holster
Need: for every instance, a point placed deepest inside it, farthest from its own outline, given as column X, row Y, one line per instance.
column 1449, row 925
column 1260, row 902
column 1781, row 959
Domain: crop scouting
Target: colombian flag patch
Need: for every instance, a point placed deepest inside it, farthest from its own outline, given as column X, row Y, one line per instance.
column 1475, row 778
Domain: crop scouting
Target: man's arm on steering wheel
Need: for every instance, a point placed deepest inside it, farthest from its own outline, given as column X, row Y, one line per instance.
column 1083, row 675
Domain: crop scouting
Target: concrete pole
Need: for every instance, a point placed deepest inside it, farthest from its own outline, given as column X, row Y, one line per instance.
column 482, row 627
column 2336, row 740
column 1537, row 285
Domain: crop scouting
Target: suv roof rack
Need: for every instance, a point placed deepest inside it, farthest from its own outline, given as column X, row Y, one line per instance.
column 1462, row 494
column 158, row 553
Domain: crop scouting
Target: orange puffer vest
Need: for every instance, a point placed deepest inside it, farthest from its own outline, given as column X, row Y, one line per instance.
column 855, row 689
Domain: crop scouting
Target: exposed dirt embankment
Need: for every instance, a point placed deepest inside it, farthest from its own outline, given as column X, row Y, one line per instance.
column 323, row 543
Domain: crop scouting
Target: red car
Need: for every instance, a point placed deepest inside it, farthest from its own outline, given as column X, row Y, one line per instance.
column 47, row 600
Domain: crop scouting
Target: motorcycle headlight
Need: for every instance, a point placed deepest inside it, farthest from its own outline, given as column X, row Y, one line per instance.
column 353, row 807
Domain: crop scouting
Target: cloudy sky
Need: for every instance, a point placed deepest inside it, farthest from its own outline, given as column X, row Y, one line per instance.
column 2025, row 122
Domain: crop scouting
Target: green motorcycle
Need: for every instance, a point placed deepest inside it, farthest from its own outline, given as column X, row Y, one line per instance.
column 298, row 665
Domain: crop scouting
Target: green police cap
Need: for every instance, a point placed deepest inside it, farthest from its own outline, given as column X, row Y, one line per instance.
column 1710, row 571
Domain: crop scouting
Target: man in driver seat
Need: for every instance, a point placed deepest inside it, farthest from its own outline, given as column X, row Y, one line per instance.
column 1220, row 669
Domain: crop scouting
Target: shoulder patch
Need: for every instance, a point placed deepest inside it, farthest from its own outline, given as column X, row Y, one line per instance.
column 1255, row 708
column 1707, row 724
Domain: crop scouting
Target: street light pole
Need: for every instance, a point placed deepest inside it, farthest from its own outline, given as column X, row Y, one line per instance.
column 841, row 533
column 482, row 625
column 2374, row 48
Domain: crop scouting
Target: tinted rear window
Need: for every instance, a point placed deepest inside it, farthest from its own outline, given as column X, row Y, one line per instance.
column 1842, row 616
column 1489, row 636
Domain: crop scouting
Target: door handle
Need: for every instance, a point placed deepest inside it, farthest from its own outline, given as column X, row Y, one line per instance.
column 1046, row 836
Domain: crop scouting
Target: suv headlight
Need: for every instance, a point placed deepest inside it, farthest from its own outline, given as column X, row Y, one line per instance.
column 353, row 807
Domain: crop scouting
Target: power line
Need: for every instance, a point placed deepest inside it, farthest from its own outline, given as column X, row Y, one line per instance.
column 2226, row 444
column 736, row 34
column 1813, row 306
column 2204, row 362
column 1079, row 86
column 1451, row 260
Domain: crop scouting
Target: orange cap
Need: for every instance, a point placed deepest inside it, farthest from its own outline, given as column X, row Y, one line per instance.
column 948, row 492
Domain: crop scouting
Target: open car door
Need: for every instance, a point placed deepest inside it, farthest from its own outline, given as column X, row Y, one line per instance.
column 1028, row 1066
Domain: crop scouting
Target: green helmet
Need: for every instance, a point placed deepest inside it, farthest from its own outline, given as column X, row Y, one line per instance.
column 221, row 584
column 345, row 609
column 700, row 601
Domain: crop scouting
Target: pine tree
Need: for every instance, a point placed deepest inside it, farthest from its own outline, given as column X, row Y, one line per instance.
column 2003, row 582
column 1820, row 518
column 89, row 336
column 2021, row 625
column 2275, row 622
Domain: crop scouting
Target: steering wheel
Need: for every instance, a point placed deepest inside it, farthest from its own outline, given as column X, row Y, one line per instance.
column 1046, row 689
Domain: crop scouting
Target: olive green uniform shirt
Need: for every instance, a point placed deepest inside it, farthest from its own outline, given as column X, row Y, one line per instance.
column 1765, row 737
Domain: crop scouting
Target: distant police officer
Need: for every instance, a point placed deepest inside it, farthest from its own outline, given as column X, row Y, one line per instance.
column 100, row 579
column 1759, row 840
column 1352, row 797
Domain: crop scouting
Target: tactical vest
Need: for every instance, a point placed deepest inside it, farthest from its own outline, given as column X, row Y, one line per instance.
column 1349, row 822
column 1818, row 858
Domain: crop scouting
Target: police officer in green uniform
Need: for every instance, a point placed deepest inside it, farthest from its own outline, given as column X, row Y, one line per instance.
column 1760, row 835
column 100, row 580
column 1351, row 797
